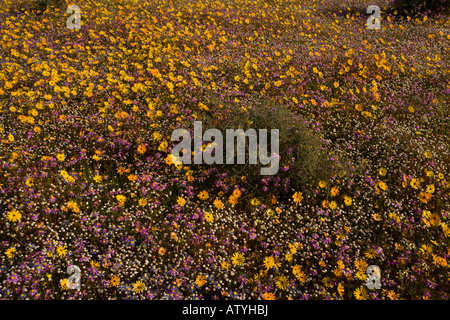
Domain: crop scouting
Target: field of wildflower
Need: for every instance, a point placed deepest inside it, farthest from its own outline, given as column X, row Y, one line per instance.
column 87, row 177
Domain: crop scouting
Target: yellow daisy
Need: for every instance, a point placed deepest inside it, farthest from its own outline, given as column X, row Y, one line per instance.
column 361, row 293
column 138, row 287
column 237, row 259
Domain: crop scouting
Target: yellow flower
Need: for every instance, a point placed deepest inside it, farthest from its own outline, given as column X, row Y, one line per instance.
column 268, row 296
column 404, row 184
column 278, row 83
column 203, row 106
column 142, row 148
column 340, row 289
column 333, row 205
column 445, row 230
column 61, row 250
column 371, row 253
column 209, row 217
column 226, row 265
column 334, row 191
column 439, row 261
column 64, row 284
column 233, row 200
column 237, row 259
column 157, row 135
column 392, row 295
column 173, row 109
column 115, row 281
column 424, row 196
column 282, row 282
column 426, row 248
column 270, row 212
column 382, row 171
column 169, row 159
column 361, row 265
column 435, row 220
column 322, row 184
column 132, row 177
column 382, row 185
column 297, row 197
column 347, row 200
column 301, row 276
column 203, row 195
column 296, row 270
column 163, row 146
column 29, row 182
column 181, row 201
column 142, row 202
column 299, row 273
column 236, row 193
column 14, row 216
column 360, row 293
column 138, row 287
column 415, row 183
column 10, row 137
column 121, row 199
column 361, row 275
column 170, row 85
column 200, row 280
column 97, row 178
column 10, row 252
column 269, row 262
column 218, row 204
column 60, row 156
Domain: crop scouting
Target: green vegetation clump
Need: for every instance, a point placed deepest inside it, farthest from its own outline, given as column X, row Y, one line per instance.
column 304, row 160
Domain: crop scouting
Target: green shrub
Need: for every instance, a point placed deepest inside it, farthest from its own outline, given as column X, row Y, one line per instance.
column 300, row 148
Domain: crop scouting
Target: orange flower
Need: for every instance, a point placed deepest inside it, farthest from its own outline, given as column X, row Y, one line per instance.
column 141, row 149
column 297, row 197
